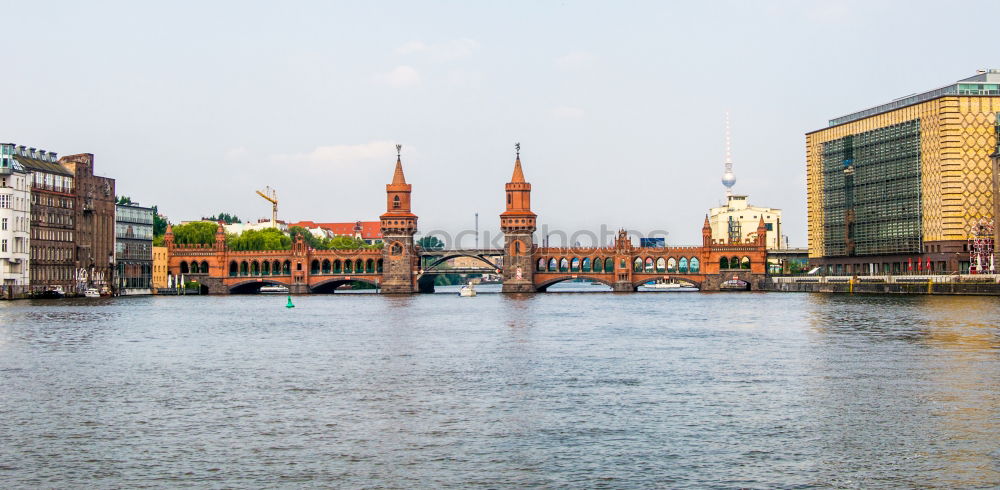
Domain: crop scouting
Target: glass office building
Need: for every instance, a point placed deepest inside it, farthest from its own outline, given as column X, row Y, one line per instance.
column 133, row 249
column 897, row 188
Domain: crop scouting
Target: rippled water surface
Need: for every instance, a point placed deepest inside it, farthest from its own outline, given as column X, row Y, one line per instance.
column 576, row 389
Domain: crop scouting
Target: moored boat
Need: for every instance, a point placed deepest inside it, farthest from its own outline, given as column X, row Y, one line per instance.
column 51, row 292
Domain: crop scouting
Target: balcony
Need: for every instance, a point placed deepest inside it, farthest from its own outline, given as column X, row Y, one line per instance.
column 49, row 187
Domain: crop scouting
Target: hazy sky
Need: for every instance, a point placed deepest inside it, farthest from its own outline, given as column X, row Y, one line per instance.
column 619, row 106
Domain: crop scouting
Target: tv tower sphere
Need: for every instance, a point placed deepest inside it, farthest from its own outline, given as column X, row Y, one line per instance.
column 728, row 179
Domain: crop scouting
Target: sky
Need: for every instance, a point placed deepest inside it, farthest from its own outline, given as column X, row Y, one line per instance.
column 619, row 106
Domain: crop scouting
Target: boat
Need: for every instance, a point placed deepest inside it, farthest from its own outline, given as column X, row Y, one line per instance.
column 92, row 293
column 274, row 289
column 52, row 292
column 734, row 284
column 467, row 291
column 663, row 285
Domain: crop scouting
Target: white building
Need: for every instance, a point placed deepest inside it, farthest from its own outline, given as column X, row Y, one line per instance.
column 15, row 215
column 738, row 220
column 261, row 224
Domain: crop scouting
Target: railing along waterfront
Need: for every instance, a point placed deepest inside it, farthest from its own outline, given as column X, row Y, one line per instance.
column 890, row 279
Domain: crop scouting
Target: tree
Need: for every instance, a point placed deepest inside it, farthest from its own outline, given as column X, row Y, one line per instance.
column 224, row 217
column 195, row 233
column 266, row 239
column 311, row 240
column 344, row 242
column 159, row 223
column 430, row 242
column 124, row 200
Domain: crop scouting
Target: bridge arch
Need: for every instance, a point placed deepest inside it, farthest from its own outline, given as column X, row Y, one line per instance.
column 330, row 286
column 252, row 286
column 543, row 286
column 444, row 258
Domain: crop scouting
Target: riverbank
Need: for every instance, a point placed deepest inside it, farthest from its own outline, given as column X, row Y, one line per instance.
column 964, row 284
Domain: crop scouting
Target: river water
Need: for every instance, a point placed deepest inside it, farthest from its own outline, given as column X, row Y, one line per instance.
column 578, row 389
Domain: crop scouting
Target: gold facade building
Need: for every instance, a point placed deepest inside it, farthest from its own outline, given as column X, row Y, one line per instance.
column 896, row 188
column 159, row 267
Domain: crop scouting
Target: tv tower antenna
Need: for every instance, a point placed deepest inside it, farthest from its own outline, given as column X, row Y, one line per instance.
column 728, row 179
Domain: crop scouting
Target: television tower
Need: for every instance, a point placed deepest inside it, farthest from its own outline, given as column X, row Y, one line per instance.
column 728, row 179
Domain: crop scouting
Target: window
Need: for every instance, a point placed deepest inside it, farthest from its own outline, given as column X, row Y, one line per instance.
column 3, row 224
column 3, row 245
column 395, row 202
column 4, row 200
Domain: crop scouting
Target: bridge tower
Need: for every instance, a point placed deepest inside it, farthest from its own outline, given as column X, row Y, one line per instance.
column 623, row 263
column 517, row 223
column 398, row 227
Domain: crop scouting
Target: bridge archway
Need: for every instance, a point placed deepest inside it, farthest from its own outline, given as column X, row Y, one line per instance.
column 425, row 283
column 330, row 286
column 253, row 286
column 544, row 286
column 438, row 260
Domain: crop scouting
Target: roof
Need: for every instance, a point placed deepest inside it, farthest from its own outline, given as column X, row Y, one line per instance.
column 370, row 230
column 36, row 165
column 983, row 83
column 397, row 176
column 518, row 173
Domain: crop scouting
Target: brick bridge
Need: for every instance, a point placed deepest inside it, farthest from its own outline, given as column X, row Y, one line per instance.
column 401, row 267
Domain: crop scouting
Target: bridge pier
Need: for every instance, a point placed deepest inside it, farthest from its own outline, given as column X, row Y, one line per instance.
column 518, row 287
column 623, row 287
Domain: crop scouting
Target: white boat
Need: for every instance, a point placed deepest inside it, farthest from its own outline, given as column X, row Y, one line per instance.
column 274, row 290
column 663, row 285
column 92, row 293
column 467, row 291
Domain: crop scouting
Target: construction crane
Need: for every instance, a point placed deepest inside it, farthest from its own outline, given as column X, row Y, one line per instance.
column 272, row 196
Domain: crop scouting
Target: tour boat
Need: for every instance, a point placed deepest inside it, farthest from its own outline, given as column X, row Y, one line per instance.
column 663, row 285
column 92, row 293
column 274, row 290
column 734, row 285
column 467, row 291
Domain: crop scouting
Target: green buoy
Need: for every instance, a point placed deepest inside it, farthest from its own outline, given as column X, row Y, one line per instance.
column 290, row 305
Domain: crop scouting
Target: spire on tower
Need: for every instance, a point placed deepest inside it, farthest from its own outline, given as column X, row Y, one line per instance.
column 518, row 173
column 397, row 176
column 728, row 179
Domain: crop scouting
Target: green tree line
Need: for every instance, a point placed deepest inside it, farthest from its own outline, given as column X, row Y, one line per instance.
column 203, row 232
